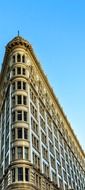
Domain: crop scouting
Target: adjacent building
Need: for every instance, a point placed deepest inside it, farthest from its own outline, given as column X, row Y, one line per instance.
column 38, row 147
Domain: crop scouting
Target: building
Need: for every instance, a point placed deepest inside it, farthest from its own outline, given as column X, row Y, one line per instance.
column 38, row 149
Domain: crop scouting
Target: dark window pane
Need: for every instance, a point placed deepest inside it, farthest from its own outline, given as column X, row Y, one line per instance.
column 19, row 115
column 20, row 174
column 18, row 58
column 25, row 133
column 18, row 70
column 23, row 71
column 25, row 116
column 24, row 85
column 26, row 174
column 19, row 99
column 24, row 100
column 23, row 58
column 19, row 85
column 19, row 132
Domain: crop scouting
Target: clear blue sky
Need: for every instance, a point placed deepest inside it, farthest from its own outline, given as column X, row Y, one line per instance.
column 56, row 30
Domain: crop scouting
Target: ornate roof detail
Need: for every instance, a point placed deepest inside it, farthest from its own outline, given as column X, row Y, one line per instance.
column 17, row 41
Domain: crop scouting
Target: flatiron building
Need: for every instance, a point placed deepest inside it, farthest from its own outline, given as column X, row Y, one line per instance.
column 38, row 147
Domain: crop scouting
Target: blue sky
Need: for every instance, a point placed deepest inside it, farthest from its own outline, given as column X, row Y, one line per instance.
column 56, row 30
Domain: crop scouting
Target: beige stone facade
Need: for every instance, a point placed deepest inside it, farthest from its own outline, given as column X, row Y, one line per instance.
column 38, row 147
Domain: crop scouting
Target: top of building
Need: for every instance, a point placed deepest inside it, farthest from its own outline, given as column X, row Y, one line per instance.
column 18, row 40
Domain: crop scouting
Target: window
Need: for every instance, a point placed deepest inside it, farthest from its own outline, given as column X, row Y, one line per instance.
column 24, row 100
column 36, row 160
column 13, row 175
column 41, row 109
column 24, row 85
column 33, row 111
column 50, row 134
column 19, row 99
column 20, row 174
column 55, row 130
column 51, row 147
column 20, row 152
column 25, row 116
column 52, row 162
column 23, row 71
column 53, row 177
column 25, row 133
column 23, row 58
column 49, row 120
column 43, row 138
column 13, row 116
column 57, row 156
column 56, row 144
column 13, row 58
column 59, row 169
column 19, row 133
column 66, row 157
column 33, row 96
column 68, row 169
column 42, row 124
column 19, row 85
column 34, row 125
column 63, row 163
column 26, row 174
column 26, row 153
column 18, row 70
column 62, row 150
column 19, row 115
column 18, row 58
column 35, row 142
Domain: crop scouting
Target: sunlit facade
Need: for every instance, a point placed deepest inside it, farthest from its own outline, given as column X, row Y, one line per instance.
column 38, row 148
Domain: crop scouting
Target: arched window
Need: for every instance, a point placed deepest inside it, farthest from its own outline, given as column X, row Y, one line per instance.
column 18, row 58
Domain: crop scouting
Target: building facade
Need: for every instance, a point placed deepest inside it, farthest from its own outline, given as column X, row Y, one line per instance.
column 38, row 148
